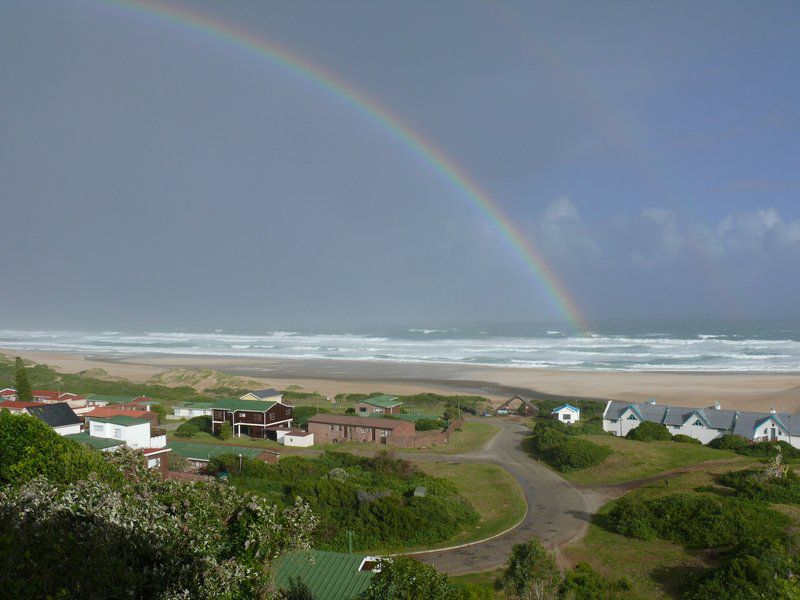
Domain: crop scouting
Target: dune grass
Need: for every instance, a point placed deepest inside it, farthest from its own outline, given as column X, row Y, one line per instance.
column 633, row 460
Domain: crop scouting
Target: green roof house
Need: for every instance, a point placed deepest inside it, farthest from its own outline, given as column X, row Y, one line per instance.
column 329, row 575
column 379, row 405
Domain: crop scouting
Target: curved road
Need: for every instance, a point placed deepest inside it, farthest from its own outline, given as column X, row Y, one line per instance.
column 557, row 511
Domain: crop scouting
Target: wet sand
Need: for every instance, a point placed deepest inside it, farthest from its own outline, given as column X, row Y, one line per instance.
column 744, row 391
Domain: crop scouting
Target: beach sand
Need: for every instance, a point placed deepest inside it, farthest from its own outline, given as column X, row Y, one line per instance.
column 743, row 391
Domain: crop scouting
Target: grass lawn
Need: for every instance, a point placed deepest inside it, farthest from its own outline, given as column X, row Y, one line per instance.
column 206, row 438
column 656, row 568
column 497, row 499
column 637, row 460
column 474, row 435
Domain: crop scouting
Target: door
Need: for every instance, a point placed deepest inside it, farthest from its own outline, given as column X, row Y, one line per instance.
column 772, row 433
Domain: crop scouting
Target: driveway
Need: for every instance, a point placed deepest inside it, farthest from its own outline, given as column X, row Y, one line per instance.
column 557, row 511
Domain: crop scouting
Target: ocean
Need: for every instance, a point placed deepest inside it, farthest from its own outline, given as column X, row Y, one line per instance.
column 689, row 346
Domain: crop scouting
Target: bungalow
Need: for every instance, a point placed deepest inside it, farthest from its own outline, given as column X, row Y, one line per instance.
column 189, row 410
column 339, row 428
column 379, row 405
column 267, row 395
column 8, row 394
column 329, row 575
column 135, row 433
column 249, row 417
column 198, row 455
column 293, row 437
column 15, row 407
column 566, row 413
column 104, row 412
column 703, row 424
column 59, row 416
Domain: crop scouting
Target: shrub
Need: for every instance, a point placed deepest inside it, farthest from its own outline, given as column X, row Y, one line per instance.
column 754, row 485
column 160, row 411
column 729, row 442
column 647, row 431
column 403, row 578
column 225, row 431
column 428, row 424
column 685, row 439
column 563, row 452
column 187, row 430
column 584, row 583
column 203, row 423
column 177, row 463
column 531, row 567
column 303, row 413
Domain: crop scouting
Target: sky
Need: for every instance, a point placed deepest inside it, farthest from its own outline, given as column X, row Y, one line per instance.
column 155, row 176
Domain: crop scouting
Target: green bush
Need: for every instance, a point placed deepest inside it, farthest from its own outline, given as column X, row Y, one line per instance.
column 187, row 430
column 303, row 413
column 695, row 520
column 563, row 452
column 647, row 431
column 685, row 439
column 729, row 442
column 582, row 582
column 428, row 424
column 754, row 485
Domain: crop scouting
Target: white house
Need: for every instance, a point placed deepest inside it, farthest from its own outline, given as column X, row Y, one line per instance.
column 703, row 424
column 566, row 413
column 295, row 437
column 131, row 431
column 267, row 395
column 189, row 410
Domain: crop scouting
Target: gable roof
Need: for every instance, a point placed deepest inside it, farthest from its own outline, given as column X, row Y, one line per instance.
column 16, row 405
column 121, row 420
column 263, row 394
column 55, row 415
column 329, row 575
column 567, row 406
column 383, row 401
column 196, row 405
column 329, row 419
column 104, row 412
column 251, row 405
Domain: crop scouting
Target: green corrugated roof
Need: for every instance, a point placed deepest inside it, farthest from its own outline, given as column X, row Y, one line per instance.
column 234, row 404
column 194, row 405
column 99, row 443
column 413, row 418
column 209, row 451
column 111, row 399
column 329, row 575
column 384, row 401
column 121, row 420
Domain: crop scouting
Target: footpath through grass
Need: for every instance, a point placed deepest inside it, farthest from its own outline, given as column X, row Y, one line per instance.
column 633, row 460
column 490, row 489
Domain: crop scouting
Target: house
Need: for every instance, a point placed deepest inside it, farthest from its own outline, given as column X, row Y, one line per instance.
column 102, row 444
column 58, row 415
column 566, row 413
column 198, row 455
column 329, row 575
column 249, row 417
column 704, row 424
column 267, row 395
column 524, row 406
column 133, row 432
column 189, row 410
column 339, row 428
column 294, row 437
column 378, row 405
column 8, row 394
column 15, row 407
column 104, row 412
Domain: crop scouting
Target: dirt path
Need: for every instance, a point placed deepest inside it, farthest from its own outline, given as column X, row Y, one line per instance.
column 558, row 511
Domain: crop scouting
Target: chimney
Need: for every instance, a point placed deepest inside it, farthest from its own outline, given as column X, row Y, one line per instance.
column 772, row 410
column 717, row 405
column 651, row 401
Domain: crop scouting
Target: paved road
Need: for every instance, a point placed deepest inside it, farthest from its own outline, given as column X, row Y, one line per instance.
column 557, row 511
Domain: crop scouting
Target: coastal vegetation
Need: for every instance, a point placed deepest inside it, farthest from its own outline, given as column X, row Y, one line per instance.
column 386, row 503
column 64, row 506
column 553, row 443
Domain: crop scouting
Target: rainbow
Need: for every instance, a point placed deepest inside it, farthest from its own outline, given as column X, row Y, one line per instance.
column 360, row 102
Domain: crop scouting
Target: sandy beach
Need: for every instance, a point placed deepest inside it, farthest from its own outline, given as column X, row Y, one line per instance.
column 744, row 391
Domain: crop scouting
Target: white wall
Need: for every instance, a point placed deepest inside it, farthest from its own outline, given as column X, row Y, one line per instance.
column 698, row 432
column 297, row 440
column 571, row 415
column 68, row 429
column 188, row 413
column 135, row 436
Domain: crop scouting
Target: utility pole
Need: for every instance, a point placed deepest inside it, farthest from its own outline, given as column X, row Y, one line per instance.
column 350, row 541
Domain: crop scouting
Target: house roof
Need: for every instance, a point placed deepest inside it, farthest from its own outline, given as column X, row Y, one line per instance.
column 251, row 405
column 383, row 401
column 194, row 405
column 15, row 405
column 121, row 420
column 104, row 412
column 111, row 399
column 7, row 391
column 265, row 393
column 94, row 442
column 199, row 451
column 55, row 415
column 329, row 419
column 329, row 575
column 567, row 406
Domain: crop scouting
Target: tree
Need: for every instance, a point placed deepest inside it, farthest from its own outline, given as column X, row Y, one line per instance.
column 403, row 578
column 24, row 392
column 225, row 431
column 532, row 573
column 160, row 411
column 177, row 463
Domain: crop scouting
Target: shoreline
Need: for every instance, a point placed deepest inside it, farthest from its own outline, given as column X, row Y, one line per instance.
column 738, row 390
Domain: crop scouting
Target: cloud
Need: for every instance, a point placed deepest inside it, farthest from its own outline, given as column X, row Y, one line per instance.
column 561, row 209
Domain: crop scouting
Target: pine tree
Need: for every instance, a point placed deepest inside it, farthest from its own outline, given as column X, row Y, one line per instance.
column 24, row 392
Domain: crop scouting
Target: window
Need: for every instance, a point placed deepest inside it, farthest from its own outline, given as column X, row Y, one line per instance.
column 271, row 416
column 566, row 416
column 289, row 411
column 698, row 423
column 378, row 410
column 118, row 433
column 363, row 430
column 632, row 417
column 384, row 432
column 331, row 427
